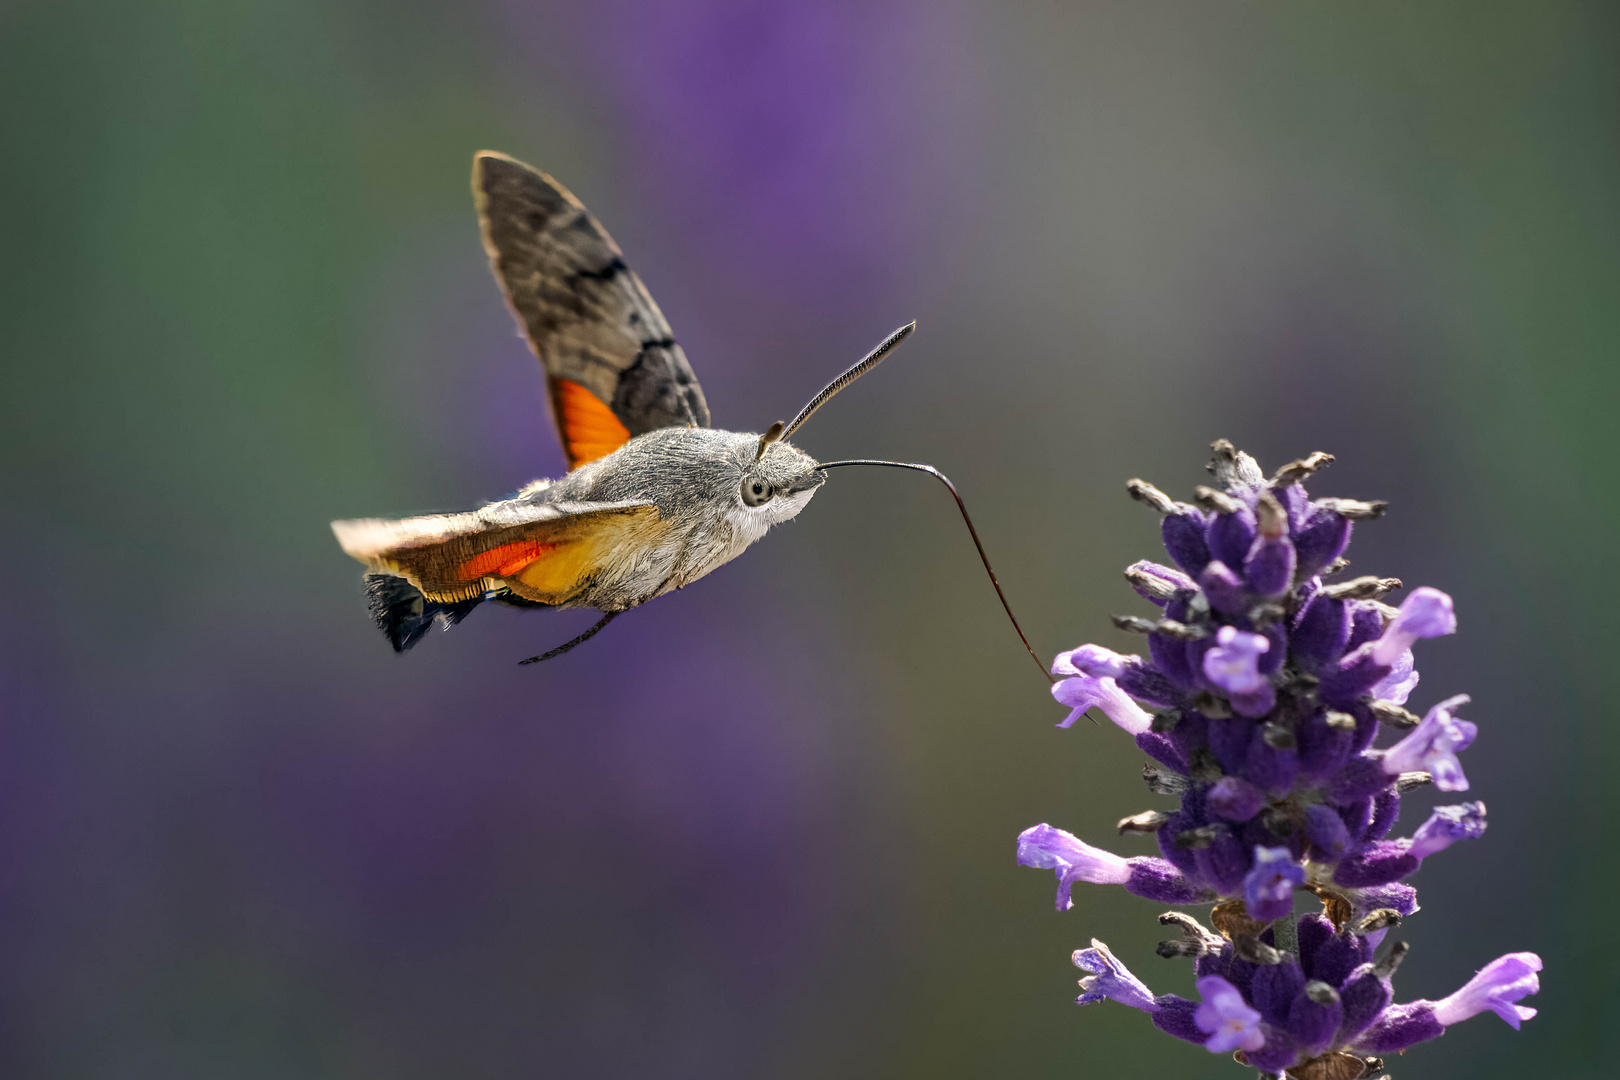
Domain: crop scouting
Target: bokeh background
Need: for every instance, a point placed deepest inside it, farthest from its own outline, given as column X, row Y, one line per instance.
column 763, row 828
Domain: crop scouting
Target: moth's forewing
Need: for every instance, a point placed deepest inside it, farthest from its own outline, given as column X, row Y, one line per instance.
column 589, row 318
column 545, row 552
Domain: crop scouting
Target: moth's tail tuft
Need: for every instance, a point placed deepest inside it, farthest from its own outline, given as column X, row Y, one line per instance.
column 404, row 614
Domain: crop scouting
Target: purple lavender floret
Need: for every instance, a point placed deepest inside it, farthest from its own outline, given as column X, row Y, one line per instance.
column 1268, row 887
column 1233, row 666
column 1433, row 745
column 1266, row 685
column 1228, row 1020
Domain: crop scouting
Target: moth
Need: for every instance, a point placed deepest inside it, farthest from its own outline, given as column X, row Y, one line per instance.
column 655, row 497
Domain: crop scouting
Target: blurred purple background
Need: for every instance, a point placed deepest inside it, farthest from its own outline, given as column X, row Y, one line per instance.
column 763, row 827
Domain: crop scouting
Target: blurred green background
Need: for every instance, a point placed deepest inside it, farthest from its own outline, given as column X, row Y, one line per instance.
column 764, row 827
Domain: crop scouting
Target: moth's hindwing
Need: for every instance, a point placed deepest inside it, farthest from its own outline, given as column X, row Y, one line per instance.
column 590, row 320
column 546, row 553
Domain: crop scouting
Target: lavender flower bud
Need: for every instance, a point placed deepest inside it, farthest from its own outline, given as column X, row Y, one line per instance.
column 1270, row 563
column 1157, row 583
column 1399, row 898
column 1338, row 956
column 1314, row 1016
column 1226, row 591
column 1274, row 988
column 1235, row 799
column 1231, row 535
column 1321, row 633
column 1376, row 864
column 1174, row 1016
column 1159, row 879
column 1401, row 1026
column 1183, row 534
column 1321, row 539
column 1326, row 831
column 1363, row 997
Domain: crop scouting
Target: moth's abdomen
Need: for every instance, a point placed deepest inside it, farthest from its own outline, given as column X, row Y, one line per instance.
column 403, row 614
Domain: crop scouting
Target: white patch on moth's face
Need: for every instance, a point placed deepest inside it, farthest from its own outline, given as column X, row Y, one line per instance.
column 711, row 548
column 749, row 523
column 787, row 507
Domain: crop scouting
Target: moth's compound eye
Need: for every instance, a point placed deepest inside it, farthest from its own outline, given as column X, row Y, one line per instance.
column 755, row 491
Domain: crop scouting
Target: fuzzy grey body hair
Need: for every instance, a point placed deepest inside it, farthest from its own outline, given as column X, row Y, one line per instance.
column 694, row 476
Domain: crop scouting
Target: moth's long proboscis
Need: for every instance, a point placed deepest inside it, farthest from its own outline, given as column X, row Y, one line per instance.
column 867, row 363
column 960, row 505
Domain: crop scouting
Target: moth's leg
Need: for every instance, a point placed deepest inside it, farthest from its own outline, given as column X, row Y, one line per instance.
column 592, row 632
column 580, row 640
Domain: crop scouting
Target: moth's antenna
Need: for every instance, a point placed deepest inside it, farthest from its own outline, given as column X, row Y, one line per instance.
column 942, row 478
column 871, row 360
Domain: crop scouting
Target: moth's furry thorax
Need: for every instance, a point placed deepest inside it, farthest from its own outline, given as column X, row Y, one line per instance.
column 695, row 477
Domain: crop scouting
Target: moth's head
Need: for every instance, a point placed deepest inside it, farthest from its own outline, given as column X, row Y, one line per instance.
column 778, row 482
column 781, row 478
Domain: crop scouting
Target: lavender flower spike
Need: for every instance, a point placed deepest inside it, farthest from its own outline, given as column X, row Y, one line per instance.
column 1268, row 889
column 1081, row 692
column 1109, row 980
column 1264, row 698
column 1496, row 987
column 1427, row 613
column 1231, row 1023
column 1432, row 747
column 1046, row 848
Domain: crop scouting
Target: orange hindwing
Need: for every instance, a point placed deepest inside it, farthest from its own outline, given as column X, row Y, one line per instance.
column 589, row 428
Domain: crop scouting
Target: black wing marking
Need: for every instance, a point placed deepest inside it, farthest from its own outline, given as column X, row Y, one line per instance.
column 588, row 317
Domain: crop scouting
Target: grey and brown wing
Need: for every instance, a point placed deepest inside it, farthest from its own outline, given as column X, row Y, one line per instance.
column 544, row 552
column 589, row 319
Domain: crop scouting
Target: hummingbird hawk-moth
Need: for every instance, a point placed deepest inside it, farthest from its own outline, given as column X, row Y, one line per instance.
column 655, row 497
